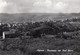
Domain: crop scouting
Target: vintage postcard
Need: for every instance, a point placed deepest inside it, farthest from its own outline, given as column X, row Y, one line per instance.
column 39, row 27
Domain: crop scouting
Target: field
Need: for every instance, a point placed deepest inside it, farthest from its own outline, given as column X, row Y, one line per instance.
column 31, row 46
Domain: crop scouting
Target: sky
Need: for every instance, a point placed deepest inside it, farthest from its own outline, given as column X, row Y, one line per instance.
column 39, row 6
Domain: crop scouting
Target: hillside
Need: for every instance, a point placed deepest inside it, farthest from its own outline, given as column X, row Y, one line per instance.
column 22, row 17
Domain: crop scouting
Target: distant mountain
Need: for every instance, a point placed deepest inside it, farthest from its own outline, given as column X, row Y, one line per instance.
column 27, row 17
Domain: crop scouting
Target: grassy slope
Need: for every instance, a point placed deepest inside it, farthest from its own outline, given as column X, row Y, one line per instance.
column 48, row 43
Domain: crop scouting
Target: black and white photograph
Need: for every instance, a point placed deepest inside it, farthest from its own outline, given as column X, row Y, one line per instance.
column 39, row 27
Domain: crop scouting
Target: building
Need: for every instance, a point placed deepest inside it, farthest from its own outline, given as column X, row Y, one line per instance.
column 9, row 34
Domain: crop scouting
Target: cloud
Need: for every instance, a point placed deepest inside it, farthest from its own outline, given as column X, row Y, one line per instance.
column 18, row 6
column 39, row 6
column 2, row 5
column 49, row 6
column 44, row 3
column 60, row 6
